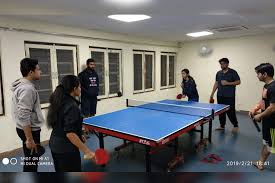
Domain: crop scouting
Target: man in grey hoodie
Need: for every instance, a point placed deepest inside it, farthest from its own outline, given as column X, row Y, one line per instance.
column 26, row 111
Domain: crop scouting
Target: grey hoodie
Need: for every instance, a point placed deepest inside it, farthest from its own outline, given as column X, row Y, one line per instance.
column 26, row 109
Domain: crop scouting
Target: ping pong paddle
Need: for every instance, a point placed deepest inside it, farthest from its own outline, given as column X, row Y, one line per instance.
column 40, row 151
column 179, row 96
column 211, row 101
column 256, row 125
column 101, row 156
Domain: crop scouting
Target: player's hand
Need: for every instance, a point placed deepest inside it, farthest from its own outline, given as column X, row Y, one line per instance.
column 258, row 118
column 252, row 113
column 211, row 100
column 90, row 155
column 183, row 96
column 30, row 144
column 224, row 82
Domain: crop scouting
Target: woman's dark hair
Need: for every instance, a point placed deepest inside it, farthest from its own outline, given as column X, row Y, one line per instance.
column 27, row 65
column 66, row 86
column 187, row 72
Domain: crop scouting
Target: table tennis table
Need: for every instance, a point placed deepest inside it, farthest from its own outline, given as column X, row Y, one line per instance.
column 154, row 124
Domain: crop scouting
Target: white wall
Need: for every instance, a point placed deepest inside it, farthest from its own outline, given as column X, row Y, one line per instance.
column 244, row 54
column 12, row 51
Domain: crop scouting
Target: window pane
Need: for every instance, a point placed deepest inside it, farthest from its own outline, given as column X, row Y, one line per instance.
column 45, row 83
column 137, row 72
column 44, row 96
column 171, row 70
column 163, row 70
column 114, row 74
column 149, row 71
column 99, row 60
column 65, row 63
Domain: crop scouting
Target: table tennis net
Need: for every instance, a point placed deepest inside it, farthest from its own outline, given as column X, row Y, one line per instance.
column 172, row 108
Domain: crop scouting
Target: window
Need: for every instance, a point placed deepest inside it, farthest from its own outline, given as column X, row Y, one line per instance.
column 144, row 69
column 55, row 62
column 168, row 63
column 108, row 67
column 2, row 109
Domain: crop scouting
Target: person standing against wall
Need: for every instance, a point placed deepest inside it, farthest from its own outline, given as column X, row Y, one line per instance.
column 26, row 112
column 226, row 81
column 89, row 89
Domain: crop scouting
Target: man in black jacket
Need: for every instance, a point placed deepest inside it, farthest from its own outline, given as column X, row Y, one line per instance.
column 89, row 89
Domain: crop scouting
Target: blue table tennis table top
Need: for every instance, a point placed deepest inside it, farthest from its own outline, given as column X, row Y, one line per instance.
column 149, row 124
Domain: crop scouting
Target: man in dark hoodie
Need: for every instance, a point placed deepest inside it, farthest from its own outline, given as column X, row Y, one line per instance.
column 26, row 111
column 89, row 89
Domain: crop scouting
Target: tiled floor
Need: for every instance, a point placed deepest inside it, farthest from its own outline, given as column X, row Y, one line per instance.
column 243, row 147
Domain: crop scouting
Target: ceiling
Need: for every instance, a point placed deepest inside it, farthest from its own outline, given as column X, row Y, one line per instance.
column 171, row 19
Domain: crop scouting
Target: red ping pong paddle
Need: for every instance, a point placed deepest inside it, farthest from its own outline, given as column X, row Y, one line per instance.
column 101, row 156
column 179, row 96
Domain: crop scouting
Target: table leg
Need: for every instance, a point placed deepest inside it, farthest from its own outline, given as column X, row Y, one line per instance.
column 201, row 137
column 148, row 158
column 176, row 145
column 210, row 132
column 101, row 140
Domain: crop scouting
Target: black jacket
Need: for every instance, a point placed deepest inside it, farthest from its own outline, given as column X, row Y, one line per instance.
column 69, row 120
column 89, row 83
column 190, row 89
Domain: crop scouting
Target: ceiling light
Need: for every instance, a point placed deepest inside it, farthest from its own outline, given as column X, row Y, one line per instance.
column 129, row 18
column 199, row 34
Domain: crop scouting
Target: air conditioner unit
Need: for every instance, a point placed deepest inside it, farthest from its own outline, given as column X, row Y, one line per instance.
column 229, row 28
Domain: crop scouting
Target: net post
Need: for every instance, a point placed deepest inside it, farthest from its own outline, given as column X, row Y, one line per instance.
column 127, row 102
column 212, row 114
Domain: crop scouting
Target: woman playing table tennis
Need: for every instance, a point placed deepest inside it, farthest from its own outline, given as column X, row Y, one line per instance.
column 189, row 87
column 64, row 117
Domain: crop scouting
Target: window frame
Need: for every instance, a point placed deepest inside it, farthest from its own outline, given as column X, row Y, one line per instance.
column 144, row 53
column 74, row 49
column 1, row 88
column 53, row 56
column 106, row 52
column 168, row 70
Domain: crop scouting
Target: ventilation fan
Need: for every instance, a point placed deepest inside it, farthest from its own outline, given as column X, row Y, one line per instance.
column 204, row 50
